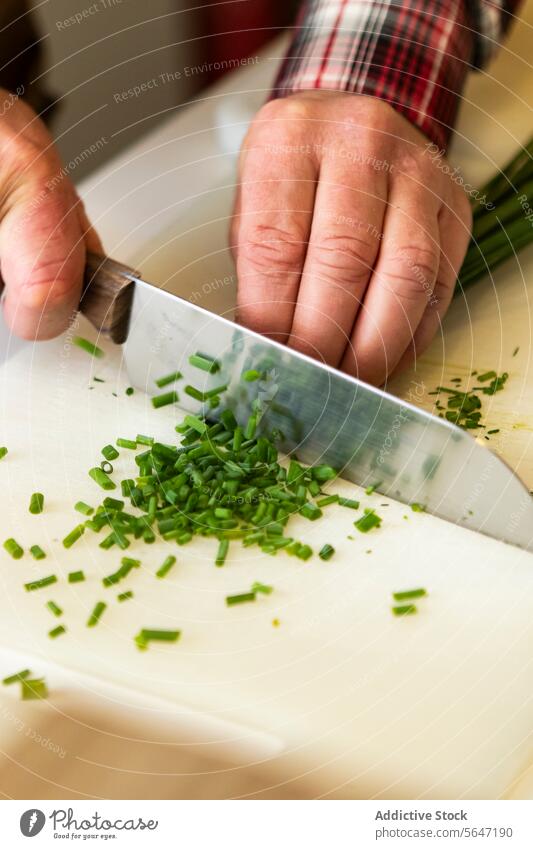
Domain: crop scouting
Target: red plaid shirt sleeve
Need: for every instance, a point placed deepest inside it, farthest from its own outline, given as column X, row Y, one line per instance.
column 415, row 54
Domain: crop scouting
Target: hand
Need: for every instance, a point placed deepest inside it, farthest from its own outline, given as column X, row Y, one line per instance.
column 348, row 234
column 44, row 231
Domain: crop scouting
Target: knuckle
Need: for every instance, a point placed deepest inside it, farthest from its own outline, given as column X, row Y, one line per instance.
column 273, row 249
column 411, row 271
column 345, row 259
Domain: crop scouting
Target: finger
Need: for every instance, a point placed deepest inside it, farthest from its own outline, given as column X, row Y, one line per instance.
column 271, row 232
column 401, row 285
column 343, row 246
column 454, row 237
column 42, row 257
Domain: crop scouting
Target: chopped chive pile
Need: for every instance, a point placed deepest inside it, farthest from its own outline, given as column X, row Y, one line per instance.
column 464, row 408
column 37, row 503
column 87, row 346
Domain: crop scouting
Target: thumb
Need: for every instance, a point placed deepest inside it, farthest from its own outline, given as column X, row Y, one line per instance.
column 42, row 257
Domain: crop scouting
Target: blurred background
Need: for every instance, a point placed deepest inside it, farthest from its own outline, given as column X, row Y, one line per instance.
column 91, row 54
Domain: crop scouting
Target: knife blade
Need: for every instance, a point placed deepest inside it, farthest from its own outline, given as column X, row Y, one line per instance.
column 323, row 416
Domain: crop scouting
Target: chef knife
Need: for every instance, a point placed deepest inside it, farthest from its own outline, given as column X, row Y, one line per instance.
column 322, row 415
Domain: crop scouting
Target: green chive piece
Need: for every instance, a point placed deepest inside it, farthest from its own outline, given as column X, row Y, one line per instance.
column 37, row 552
column 165, row 399
column 74, row 536
column 251, row 374
column 222, row 552
column 141, row 439
column 56, row 632
column 36, row 503
column 348, row 502
column 166, row 566
column 417, row 508
column 33, row 688
column 194, row 393
column 18, row 676
column 41, row 583
column 251, row 426
column 125, row 596
column 54, row 608
column 367, row 521
column 110, row 452
column 76, row 577
column 328, row 499
column 146, row 635
column 240, row 598
column 204, row 362
column 13, row 548
column 323, row 473
column 94, row 618
column 87, row 346
column 196, row 424
column 101, row 478
column 258, row 587
column 487, row 375
column 405, row 595
column 130, row 390
column 326, row 552
column 404, row 609
column 310, row 511
column 3, row 452
column 84, row 508
column 126, row 443
column 130, row 563
column 168, row 378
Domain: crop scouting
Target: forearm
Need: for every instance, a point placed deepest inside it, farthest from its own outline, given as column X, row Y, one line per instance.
column 415, row 54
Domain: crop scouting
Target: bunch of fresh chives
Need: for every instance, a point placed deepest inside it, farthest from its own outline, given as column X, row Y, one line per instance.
column 501, row 225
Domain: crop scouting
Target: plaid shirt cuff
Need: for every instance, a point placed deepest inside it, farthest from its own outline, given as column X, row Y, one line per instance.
column 414, row 54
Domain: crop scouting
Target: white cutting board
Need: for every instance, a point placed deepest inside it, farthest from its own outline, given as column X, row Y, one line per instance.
column 352, row 701
column 435, row 705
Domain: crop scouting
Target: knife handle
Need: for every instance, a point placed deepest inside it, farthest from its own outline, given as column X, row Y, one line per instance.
column 107, row 296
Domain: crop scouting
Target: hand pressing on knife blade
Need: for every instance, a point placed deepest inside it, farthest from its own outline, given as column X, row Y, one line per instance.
column 348, row 233
column 44, row 230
